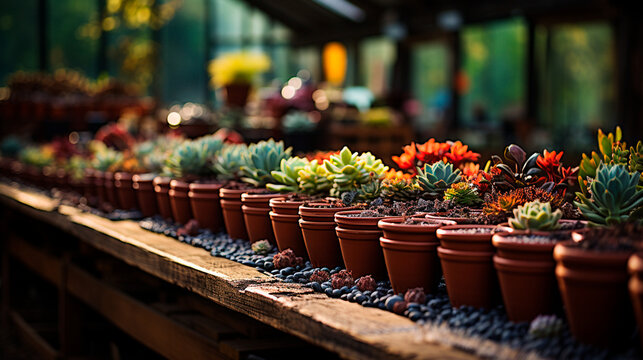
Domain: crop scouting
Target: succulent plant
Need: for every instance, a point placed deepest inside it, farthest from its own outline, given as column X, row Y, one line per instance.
column 544, row 326
column 194, row 158
column 370, row 190
column 614, row 196
column 435, row 179
column 286, row 258
column 636, row 161
column 463, row 193
column 288, row 175
column 415, row 295
column 313, row 179
column 516, row 170
column 106, row 159
column 348, row 170
column 75, row 167
column 261, row 247
column 366, row 283
column 261, row 159
column 37, row 156
column 341, row 279
column 227, row 164
column 535, row 216
column 320, row 276
column 400, row 189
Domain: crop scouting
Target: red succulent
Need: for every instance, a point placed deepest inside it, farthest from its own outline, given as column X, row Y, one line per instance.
column 432, row 151
column 459, row 154
column 407, row 159
column 549, row 161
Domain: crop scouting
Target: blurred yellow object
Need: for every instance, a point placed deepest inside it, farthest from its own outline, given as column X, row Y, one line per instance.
column 334, row 62
column 237, row 68
column 381, row 116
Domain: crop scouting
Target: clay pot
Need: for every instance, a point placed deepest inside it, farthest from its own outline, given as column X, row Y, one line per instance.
column 99, row 186
column 467, row 263
column 256, row 210
column 593, row 285
column 635, row 285
column 89, row 188
column 144, row 189
column 179, row 201
column 125, row 191
column 318, row 230
column 232, row 215
column 410, row 253
column 359, row 241
column 110, row 189
column 526, row 275
column 62, row 181
column 50, row 180
column 162, row 190
column 236, row 95
column 458, row 220
column 206, row 205
column 285, row 225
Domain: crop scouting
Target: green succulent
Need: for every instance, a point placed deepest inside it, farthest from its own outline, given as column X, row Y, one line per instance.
column 535, row 216
column 370, row 190
column 435, row 179
column 227, row 164
column 261, row 159
column 36, row 156
column 261, row 247
column 636, row 161
column 313, row 179
column 400, row 189
column 614, row 196
column 75, row 167
column 612, row 152
column 348, row 170
column 152, row 154
column 463, row 193
column 106, row 159
column 288, row 175
column 194, row 158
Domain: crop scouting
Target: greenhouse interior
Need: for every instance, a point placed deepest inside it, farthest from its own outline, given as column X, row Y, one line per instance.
column 301, row 179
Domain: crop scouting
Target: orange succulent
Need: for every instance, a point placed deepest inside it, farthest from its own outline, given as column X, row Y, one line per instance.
column 392, row 174
column 459, row 154
column 432, row 151
column 407, row 159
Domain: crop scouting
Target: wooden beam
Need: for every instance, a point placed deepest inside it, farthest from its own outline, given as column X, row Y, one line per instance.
column 44, row 265
column 32, row 340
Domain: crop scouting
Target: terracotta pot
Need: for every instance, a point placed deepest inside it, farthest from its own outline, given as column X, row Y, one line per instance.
column 321, row 243
column 256, row 209
column 313, row 213
column 236, row 95
column 110, row 189
column 362, row 252
column 89, row 184
column 526, row 275
column 285, row 225
column 179, row 201
column 99, row 186
column 467, row 263
column 635, row 285
column 61, row 175
column 459, row 220
column 144, row 188
column 394, row 229
column 411, row 264
column 593, row 285
column 162, row 190
column 348, row 220
column 50, row 178
column 232, row 215
column 206, row 205
column 124, row 190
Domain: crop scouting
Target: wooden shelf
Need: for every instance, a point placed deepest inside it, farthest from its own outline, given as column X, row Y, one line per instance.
column 346, row 328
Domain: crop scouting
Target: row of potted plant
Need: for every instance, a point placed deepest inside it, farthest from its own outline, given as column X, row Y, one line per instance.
column 501, row 232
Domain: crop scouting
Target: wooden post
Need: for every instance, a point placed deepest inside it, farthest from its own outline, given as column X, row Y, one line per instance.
column 456, row 62
column 70, row 315
column 531, row 76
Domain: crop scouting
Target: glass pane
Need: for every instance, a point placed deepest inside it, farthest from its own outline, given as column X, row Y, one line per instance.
column 258, row 26
column 430, row 82
column 19, row 44
column 377, row 57
column 229, row 19
column 493, row 72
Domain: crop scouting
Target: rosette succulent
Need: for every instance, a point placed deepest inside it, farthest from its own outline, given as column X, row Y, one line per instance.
column 535, row 216
column 261, row 159
column 400, row 189
column 288, row 175
column 349, row 170
column 107, row 159
column 36, row 156
column 227, row 164
column 313, row 179
column 614, row 197
column 463, row 193
column 194, row 158
column 435, row 179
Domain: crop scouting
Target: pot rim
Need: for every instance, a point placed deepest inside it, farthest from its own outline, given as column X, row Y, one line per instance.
column 344, row 215
column 499, row 241
column 346, row 231
column 566, row 252
column 205, row 186
column 146, row 177
column 466, row 255
column 252, row 196
column 386, row 243
column 326, row 225
column 162, row 180
column 394, row 224
column 635, row 263
column 282, row 216
column 448, row 232
column 285, row 203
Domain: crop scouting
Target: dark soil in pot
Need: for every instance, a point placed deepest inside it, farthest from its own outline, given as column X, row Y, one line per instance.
column 206, row 204
column 161, row 190
column 144, row 189
column 525, row 266
column 231, row 208
column 125, row 191
column 466, row 255
column 256, row 209
column 411, row 229
column 179, row 201
column 460, row 216
column 592, row 276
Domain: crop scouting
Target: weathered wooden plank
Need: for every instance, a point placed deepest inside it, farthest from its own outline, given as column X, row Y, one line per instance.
column 148, row 326
column 31, row 199
column 32, row 339
column 346, row 328
column 46, row 266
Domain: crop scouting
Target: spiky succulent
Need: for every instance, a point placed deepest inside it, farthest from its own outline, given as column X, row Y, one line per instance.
column 544, row 326
column 261, row 159
column 228, row 162
column 313, row 179
column 636, row 161
column 36, row 156
column 261, row 247
column 106, row 159
column 348, row 170
column 435, row 179
column 400, row 189
column 370, row 190
column 535, row 216
column 463, row 193
column 194, row 158
column 614, row 196
column 288, row 175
